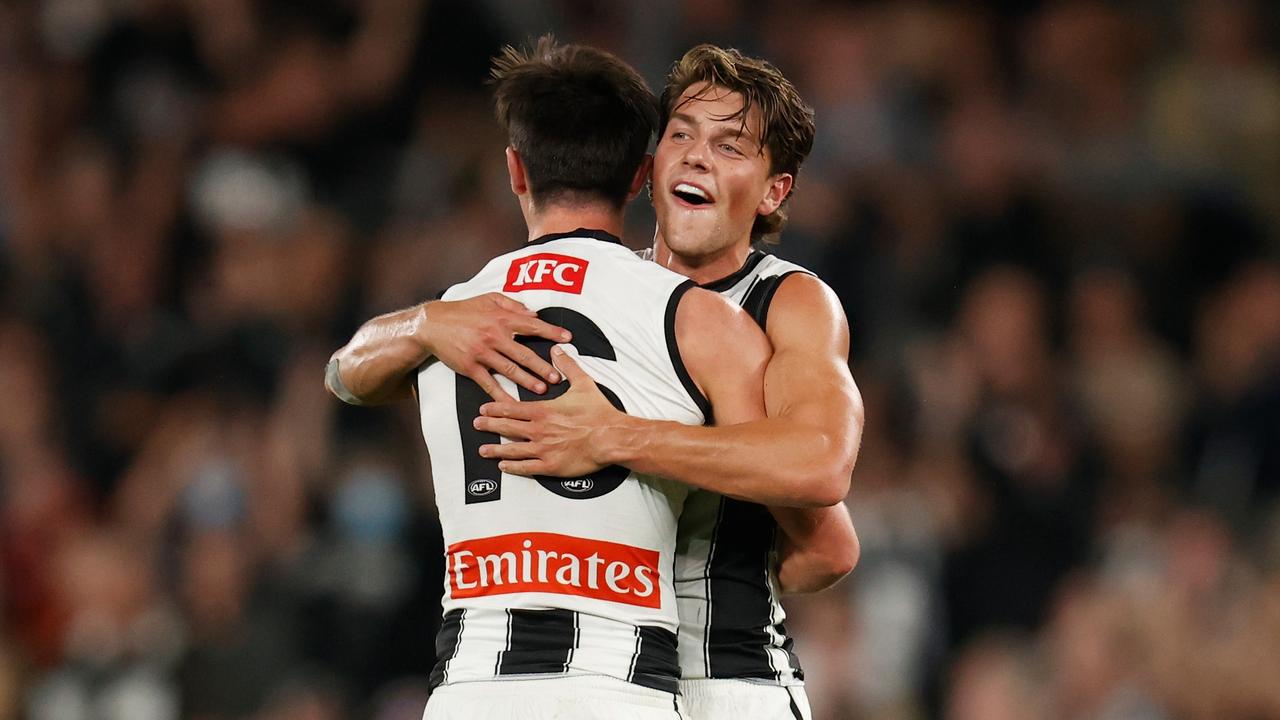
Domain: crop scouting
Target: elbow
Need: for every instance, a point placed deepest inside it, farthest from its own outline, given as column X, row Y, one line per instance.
column 825, row 486
column 840, row 561
column 829, row 478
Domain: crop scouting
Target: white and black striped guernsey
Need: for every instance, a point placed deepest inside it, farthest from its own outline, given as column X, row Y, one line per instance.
column 731, row 620
column 564, row 577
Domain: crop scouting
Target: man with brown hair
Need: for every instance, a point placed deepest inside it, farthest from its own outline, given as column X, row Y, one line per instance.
column 733, row 135
column 559, row 594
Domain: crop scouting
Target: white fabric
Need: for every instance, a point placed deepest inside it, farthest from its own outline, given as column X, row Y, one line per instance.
column 741, row 699
column 584, row 698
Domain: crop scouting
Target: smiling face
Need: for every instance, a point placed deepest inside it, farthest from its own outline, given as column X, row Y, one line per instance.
column 711, row 177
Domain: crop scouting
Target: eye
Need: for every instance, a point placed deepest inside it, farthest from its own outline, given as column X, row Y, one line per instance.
column 679, row 135
column 730, row 148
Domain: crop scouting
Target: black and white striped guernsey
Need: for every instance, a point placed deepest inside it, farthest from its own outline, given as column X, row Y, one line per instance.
column 564, row 577
column 731, row 620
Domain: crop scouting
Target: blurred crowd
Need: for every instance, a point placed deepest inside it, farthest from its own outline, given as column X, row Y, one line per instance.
column 1054, row 227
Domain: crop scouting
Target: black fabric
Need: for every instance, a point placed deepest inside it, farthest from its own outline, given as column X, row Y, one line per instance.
column 656, row 664
column 579, row 233
column 538, row 641
column 761, row 296
column 729, row 281
column 447, row 640
column 741, row 601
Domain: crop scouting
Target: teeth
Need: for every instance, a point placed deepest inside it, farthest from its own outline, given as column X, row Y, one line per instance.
column 691, row 190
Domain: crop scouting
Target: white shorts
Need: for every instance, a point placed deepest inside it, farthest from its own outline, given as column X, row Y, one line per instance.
column 590, row 697
column 741, row 699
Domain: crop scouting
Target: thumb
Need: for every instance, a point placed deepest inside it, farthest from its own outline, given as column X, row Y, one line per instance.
column 569, row 367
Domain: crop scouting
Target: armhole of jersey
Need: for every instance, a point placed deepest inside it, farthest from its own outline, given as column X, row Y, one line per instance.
column 673, row 348
column 770, row 287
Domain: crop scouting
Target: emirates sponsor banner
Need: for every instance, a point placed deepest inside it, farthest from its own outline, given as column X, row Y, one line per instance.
column 554, row 563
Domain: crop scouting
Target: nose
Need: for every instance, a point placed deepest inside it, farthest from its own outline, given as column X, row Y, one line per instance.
column 695, row 156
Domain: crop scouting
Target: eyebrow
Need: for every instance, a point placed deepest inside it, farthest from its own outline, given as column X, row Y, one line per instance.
column 742, row 131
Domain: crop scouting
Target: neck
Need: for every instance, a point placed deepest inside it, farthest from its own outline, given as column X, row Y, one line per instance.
column 701, row 269
column 563, row 219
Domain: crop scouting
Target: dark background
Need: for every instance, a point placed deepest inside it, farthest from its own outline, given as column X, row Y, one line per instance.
column 1053, row 225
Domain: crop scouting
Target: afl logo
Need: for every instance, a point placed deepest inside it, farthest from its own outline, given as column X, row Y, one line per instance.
column 482, row 487
column 578, row 485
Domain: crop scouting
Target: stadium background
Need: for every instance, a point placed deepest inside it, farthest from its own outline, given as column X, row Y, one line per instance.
column 1054, row 227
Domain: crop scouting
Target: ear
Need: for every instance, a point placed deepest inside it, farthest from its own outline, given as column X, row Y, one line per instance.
column 777, row 191
column 641, row 177
column 515, row 170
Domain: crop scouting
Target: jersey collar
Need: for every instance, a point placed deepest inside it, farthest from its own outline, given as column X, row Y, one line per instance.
column 600, row 235
column 728, row 281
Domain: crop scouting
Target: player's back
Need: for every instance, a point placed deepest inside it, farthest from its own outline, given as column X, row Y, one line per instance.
column 553, row 577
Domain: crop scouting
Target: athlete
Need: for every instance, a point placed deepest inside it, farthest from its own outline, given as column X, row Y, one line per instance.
column 559, row 594
column 734, row 133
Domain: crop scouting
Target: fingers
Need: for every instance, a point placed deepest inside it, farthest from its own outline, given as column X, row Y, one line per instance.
column 507, row 303
column 527, row 468
column 529, row 359
column 510, row 429
column 489, row 384
column 509, row 369
column 509, row 408
column 538, row 328
column 509, row 451
column 567, row 365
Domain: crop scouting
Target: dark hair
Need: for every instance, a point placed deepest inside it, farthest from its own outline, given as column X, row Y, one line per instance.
column 580, row 118
column 787, row 121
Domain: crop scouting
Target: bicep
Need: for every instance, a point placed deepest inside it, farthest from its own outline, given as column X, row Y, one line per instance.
column 808, row 377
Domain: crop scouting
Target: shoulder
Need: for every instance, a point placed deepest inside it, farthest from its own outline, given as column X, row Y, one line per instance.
column 709, row 325
column 804, row 308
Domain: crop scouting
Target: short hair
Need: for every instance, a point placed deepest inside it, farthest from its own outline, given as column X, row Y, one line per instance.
column 787, row 121
column 580, row 118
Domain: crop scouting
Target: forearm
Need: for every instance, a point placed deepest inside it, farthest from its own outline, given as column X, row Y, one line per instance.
column 775, row 461
column 816, row 547
column 377, row 365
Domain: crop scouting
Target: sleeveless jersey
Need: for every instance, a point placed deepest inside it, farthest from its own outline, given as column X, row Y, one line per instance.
column 731, row 620
column 564, row 577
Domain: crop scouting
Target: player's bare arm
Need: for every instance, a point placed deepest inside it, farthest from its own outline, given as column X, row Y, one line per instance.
column 817, row 547
column 473, row 337
column 802, row 455
column 573, row 438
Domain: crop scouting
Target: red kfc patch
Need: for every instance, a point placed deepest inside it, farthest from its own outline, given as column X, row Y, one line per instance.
column 546, row 271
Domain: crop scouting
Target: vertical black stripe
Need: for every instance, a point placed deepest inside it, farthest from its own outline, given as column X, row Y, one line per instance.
column 538, row 641
column 656, row 664
column 673, row 348
column 741, row 599
column 795, row 707
column 447, row 640
column 760, row 296
column 482, row 480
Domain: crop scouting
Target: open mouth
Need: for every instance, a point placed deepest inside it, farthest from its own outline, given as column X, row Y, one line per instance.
column 691, row 194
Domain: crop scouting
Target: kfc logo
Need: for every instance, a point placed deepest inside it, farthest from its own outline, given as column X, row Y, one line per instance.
column 546, row 271
column 553, row 563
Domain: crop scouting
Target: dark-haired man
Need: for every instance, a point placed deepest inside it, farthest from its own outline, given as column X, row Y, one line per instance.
column 559, row 596
column 734, row 134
